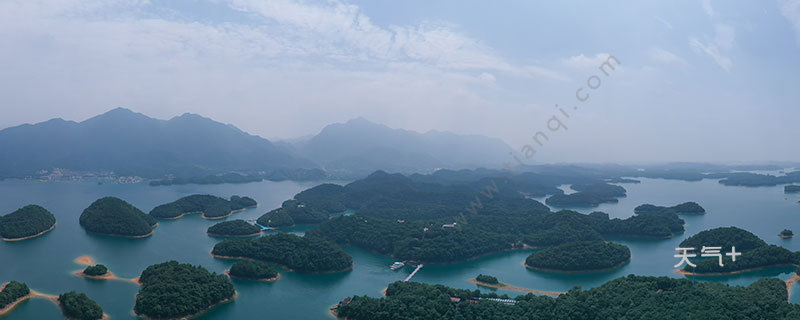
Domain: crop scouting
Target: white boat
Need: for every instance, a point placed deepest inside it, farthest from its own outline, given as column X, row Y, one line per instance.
column 397, row 265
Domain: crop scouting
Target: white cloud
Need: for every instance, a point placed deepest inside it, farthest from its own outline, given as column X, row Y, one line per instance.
column 666, row 57
column 717, row 48
column 790, row 9
column 581, row 61
column 707, row 7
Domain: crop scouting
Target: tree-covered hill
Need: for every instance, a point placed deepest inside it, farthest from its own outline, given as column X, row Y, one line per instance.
column 301, row 254
column 234, row 228
column 580, row 257
column 114, row 216
column 631, row 297
column 210, row 206
column 172, row 290
column 27, row 221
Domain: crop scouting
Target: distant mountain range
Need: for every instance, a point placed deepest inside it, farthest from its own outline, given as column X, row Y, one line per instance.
column 361, row 146
column 130, row 143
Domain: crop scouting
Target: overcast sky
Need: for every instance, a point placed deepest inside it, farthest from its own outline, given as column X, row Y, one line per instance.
column 698, row 80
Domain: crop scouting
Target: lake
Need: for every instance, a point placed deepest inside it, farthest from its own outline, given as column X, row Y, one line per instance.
column 46, row 263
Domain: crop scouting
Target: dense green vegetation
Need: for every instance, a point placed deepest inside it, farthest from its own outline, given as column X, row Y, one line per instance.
column 757, row 180
column 25, row 222
column 79, row 306
column 755, row 252
column 238, row 203
column 303, row 213
column 210, row 206
column 580, row 256
column 114, row 216
column 631, row 297
column 234, row 228
column 588, row 195
column 482, row 278
column 175, row 290
column 787, row 233
column 724, row 237
column 277, row 218
column 482, row 234
column 683, row 208
column 301, row 254
column 95, row 270
column 765, row 256
column 256, row 270
column 791, row 189
column 13, row 291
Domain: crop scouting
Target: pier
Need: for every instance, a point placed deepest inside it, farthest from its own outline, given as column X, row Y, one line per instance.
column 413, row 273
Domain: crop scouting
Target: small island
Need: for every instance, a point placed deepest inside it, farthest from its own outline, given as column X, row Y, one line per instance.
column 786, row 234
column 277, row 218
column 300, row 254
column 210, row 207
column 588, row 195
column 486, row 279
column 11, row 294
column 580, row 257
column 115, row 217
column 755, row 253
column 253, row 270
column 234, row 228
column 79, row 306
column 173, row 290
column 791, row 189
column 28, row 222
column 683, row 208
column 95, row 270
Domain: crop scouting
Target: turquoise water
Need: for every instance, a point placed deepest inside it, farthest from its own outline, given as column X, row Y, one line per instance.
column 46, row 263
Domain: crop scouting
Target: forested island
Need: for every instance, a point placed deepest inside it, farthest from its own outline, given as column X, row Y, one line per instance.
column 115, row 217
column 278, row 218
column 487, row 279
column 476, row 235
column 234, row 228
column 683, row 208
column 27, row 222
column 574, row 257
column 588, row 195
column 173, row 290
column 631, row 297
column 791, row 189
column 786, row 234
column 211, row 207
column 96, row 270
column 79, row 306
column 12, row 293
column 755, row 253
column 253, row 270
column 300, row 254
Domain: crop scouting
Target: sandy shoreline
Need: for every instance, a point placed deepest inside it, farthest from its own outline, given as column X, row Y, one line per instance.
column 789, row 284
column 126, row 236
column 720, row 274
column 31, row 295
column 276, row 278
column 785, row 237
column 280, row 265
column 579, row 271
column 32, row 236
column 504, row 286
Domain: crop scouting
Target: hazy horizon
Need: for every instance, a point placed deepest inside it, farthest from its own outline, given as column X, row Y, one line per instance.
column 697, row 81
